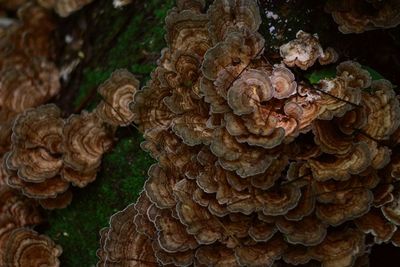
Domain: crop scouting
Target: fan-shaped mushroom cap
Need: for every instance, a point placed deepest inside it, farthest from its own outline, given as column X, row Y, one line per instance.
column 336, row 98
column 382, row 109
column 187, row 31
column 338, row 202
column 283, row 81
column 225, row 61
column 19, row 90
column 86, row 138
column 341, row 167
column 328, row 56
column 117, row 93
column 375, row 223
column 39, row 127
column 248, row 91
column 149, row 109
column 123, row 245
column 27, row 248
column 354, row 74
column 339, row 248
column 302, row 51
column 18, row 208
column 229, row 16
column 309, row 232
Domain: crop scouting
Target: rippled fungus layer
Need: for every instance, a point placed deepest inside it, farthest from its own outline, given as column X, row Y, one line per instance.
column 49, row 153
column 255, row 167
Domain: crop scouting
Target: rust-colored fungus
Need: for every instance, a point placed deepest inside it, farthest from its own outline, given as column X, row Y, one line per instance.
column 254, row 165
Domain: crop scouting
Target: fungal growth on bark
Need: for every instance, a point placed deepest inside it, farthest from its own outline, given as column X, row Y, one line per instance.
column 255, row 166
column 49, row 153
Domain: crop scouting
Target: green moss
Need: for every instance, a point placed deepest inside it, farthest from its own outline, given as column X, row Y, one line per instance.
column 92, row 78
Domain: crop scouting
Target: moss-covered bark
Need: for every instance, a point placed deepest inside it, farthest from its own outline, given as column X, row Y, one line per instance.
column 128, row 38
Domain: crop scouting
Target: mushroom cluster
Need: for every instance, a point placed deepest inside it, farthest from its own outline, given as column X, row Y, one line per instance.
column 255, row 165
column 49, row 153
column 19, row 245
column 355, row 16
column 28, row 75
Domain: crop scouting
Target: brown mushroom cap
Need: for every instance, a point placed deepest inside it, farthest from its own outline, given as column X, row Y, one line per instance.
column 86, row 138
column 117, row 93
column 229, row 16
column 301, row 52
column 27, row 248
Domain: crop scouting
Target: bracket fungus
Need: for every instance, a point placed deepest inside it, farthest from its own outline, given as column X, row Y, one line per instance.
column 49, row 153
column 255, row 165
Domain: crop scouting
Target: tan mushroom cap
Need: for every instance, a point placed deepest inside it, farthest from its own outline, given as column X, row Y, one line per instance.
column 149, row 109
column 375, row 223
column 302, row 51
column 123, row 245
column 33, row 165
column 19, row 208
column 39, row 127
column 329, row 56
column 117, row 93
column 382, row 109
column 61, row 201
column 338, row 202
column 171, row 234
column 86, row 138
column 248, row 91
column 283, row 81
column 198, row 220
column 330, row 139
column 20, row 91
column 340, row 248
column 159, row 187
column 355, row 75
column 228, row 16
column 49, row 188
column 336, row 98
column 310, row 231
column 27, row 248
column 234, row 156
column 225, row 61
column 187, row 31
column 341, row 167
